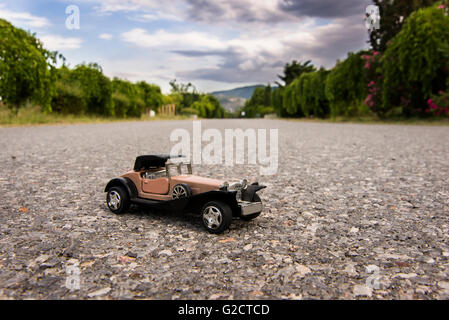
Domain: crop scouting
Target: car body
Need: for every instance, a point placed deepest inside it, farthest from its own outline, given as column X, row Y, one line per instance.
column 158, row 182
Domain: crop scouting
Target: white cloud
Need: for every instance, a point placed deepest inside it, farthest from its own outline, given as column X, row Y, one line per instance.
column 57, row 43
column 23, row 19
column 239, row 41
column 173, row 41
column 126, row 5
column 105, row 36
column 156, row 16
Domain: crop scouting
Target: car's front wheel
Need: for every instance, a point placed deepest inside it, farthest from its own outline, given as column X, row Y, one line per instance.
column 181, row 191
column 117, row 200
column 217, row 216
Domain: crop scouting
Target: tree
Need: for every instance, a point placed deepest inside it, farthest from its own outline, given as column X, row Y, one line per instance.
column 277, row 103
column 184, row 94
column 260, row 102
column 393, row 15
column 181, row 87
column 207, row 107
column 128, row 98
column 96, row 88
column 27, row 71
column 290, row 100
column 416, row 64
column 152, row 95
column 346, row 86
column 295, row 70
column 312, row 97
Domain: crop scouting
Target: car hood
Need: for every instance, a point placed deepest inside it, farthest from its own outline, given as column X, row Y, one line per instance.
column 198, row 182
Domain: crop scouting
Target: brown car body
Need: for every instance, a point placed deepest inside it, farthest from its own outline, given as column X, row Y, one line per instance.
column 158, row 183
column 161, row 189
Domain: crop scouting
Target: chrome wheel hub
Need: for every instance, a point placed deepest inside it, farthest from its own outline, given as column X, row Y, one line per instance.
column 212, row 217
column 114, row 200
column 179, row 192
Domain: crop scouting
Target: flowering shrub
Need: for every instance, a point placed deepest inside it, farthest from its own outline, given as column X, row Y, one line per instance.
column 373, row 66
column 445, row 8
column 438, row 105
column 415, row 64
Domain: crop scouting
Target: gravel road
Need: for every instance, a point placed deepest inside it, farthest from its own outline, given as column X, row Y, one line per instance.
column 355, row 211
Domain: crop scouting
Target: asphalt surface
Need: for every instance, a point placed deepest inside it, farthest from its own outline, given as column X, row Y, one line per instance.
column 354, row 211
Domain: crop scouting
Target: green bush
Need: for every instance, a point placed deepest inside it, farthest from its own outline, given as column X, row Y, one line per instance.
column 68, row 99
column 27, row 71
column 416, row 62
column 96, row 88
column 277, row 102
column 346, row 87
column 152, row 96
column 438, row 104
column 290, row 99
column 311, row 94
column 190, row 111
column 121, row 104
column 134, row 95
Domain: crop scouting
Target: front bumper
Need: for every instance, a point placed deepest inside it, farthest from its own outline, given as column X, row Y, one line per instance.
column 249, row 208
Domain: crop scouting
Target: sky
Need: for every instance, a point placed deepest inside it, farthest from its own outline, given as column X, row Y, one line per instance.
column 214, row 44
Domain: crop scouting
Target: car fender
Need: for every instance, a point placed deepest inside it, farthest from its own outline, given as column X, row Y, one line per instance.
column 125, row 183
column 250, row 191
column 196, row 202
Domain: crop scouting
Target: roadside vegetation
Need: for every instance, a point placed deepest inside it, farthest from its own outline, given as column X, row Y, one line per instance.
column 33, row 115
column 404, row 77
column 37, row 86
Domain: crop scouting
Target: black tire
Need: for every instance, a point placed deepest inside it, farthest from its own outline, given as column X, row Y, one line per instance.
column 117, row 200
column 254, row 215
column 216, row 217
column 184, row 191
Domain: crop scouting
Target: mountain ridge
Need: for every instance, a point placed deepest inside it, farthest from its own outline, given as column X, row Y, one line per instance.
column 240, row 92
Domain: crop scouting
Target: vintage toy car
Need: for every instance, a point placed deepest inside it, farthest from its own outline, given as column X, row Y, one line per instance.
column 158, row 182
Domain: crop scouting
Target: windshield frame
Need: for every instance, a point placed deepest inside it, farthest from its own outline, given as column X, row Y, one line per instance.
column 179, row 167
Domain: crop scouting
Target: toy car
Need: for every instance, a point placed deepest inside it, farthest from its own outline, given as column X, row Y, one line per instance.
column 158, row 182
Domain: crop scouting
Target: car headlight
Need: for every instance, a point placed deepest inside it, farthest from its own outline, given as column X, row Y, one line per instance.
column 235, row 186
column 224, row 185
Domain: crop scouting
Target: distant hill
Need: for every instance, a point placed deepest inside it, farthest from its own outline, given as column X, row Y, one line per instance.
column 243, row 92
column 230, row 104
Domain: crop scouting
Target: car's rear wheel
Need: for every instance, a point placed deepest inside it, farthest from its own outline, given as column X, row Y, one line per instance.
column 181, row 191
column 216, row 216
column 117, row 200
column 254, row 215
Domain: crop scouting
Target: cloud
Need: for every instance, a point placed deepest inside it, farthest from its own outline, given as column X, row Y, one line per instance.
column 240, row 41
column 105, row 36
column 260, row 57
column 23, row 19
column 171, row 40
column 243, row 11
column 155, row 16
column 119, row 5
column 324, row 8
column 238, row 11
column 256, row 55
column 57, row 43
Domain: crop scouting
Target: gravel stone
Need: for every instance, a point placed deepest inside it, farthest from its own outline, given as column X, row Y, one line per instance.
column 346, row 196
column 98, row 293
